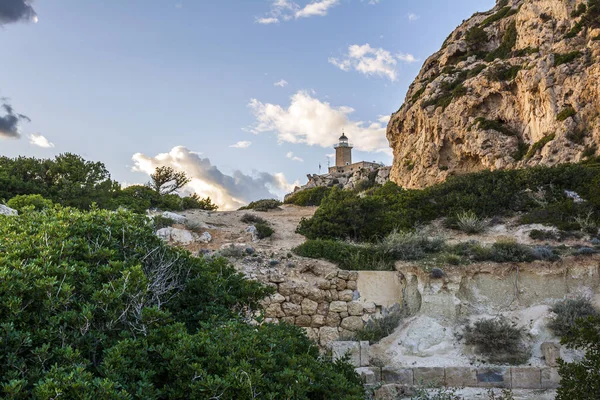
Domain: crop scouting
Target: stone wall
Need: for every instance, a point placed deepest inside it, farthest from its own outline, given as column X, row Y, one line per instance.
column 328, row 308
column 483, row 377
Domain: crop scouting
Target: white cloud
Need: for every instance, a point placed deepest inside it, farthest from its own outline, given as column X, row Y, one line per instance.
column 413, row 17
column 292, row 157
column 310, row 121
column 281, row 83
column 40, row 141
column 316, row 8
column 371, row 61
column 241, row 145
column 384, row 119
column 285, row 10
column 229, row 192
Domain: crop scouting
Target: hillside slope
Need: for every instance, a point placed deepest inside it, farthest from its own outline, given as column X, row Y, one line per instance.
column 516, row 86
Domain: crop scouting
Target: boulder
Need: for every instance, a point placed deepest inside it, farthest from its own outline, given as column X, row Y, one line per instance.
column 4, row 210
column 181, row 236
column 338, row 306
column 205, row 237
column 178, row 218
column 353, row 324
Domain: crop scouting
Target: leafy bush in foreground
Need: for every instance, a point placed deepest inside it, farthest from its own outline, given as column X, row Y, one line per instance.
column 93, row 305
column 581, row 380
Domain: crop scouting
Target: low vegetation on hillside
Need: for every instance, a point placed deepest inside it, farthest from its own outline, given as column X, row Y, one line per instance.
column 540, row 195
column 94, row 305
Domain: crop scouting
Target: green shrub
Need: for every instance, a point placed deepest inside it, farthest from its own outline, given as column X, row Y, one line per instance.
column 34, row 201
column 476, row 37
column 409, row 245
column 581, row 379
column 138, row 198
column 561, row 214
column 263, row 230
column 308, row 197
column 510, row 251
column 253, row 219
column 579, row 11
column 194, row 202
column 500, row 14
column 566, row 113
column 537, row 146
column 159, row 222
column 348, row 256
column 577, row 136
column 560, row 59
column 379, row 328
column 469, row 222
column 503, row 73
column 94, row 304
column 567, row 313
column 508, row 42
column 496, row 125
column 498, row 340
column 537, row 234
column 263, row 205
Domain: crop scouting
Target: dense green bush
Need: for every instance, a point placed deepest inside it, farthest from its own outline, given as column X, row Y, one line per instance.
column 308, row 197
column 263, row 230
column 409, row 245
column 567, row 312
column 35, row 201
column 476, row 37
column 347, row 256
column 94, row 305
column 496, row 125
column 500, row 341
column 345, row 215
column 560, row 59
column 195, row 202
column 581, row 379
column 263, row 205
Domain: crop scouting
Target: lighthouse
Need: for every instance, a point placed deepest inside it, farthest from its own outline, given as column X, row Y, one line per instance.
column 343, row 152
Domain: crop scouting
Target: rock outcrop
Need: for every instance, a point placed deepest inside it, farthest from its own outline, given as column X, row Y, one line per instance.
column 349, row 180
column 513, row 87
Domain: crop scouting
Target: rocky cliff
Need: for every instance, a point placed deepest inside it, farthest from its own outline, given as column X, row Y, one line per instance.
column 513, row 87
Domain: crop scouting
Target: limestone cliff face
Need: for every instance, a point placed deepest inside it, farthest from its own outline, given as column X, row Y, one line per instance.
column 513, row 87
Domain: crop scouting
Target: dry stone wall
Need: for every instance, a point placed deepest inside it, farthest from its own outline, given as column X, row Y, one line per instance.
column 329, row 308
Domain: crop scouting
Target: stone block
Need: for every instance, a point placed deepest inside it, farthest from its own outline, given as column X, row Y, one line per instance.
column 309, row 307
column 303, row 320
column 296, row 298
column 550, row 378
column 393, row 392
column 276, row 278
column 351, row 285
column 333, row 294
column 384, row 288
column 429, row 376
column 289, row 320
column 315, row 294
column 333, row 319
column 370, row 307
column 402, row 376
column 338, row 306
column 277, row 298
column 346, row 295
column 369, row 375
column 291, row 309
column 353, row 276
column 340, row 350
column 274, row 311
column 328, row 335
column 317, row 321
column 526, row 378
column 494, row 377
column 461, row 377
column 355, row 308
column 312, row 334
column 551, row 353
column 287, row 288
column 340, row 284
column 365, row 360
column 343, row 275
column 323, row 308
column 352, row 323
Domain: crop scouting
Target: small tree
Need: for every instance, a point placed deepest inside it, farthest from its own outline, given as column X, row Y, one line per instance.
column 165, row 180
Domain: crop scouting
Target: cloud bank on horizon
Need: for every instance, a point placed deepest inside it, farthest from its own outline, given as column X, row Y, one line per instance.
column 12, row 11
column 229, row 192
column 310, row 121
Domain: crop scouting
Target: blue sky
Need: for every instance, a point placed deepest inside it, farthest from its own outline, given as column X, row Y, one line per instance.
column 110, row 79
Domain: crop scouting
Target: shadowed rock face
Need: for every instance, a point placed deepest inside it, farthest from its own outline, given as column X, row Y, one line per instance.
column 513, row 87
